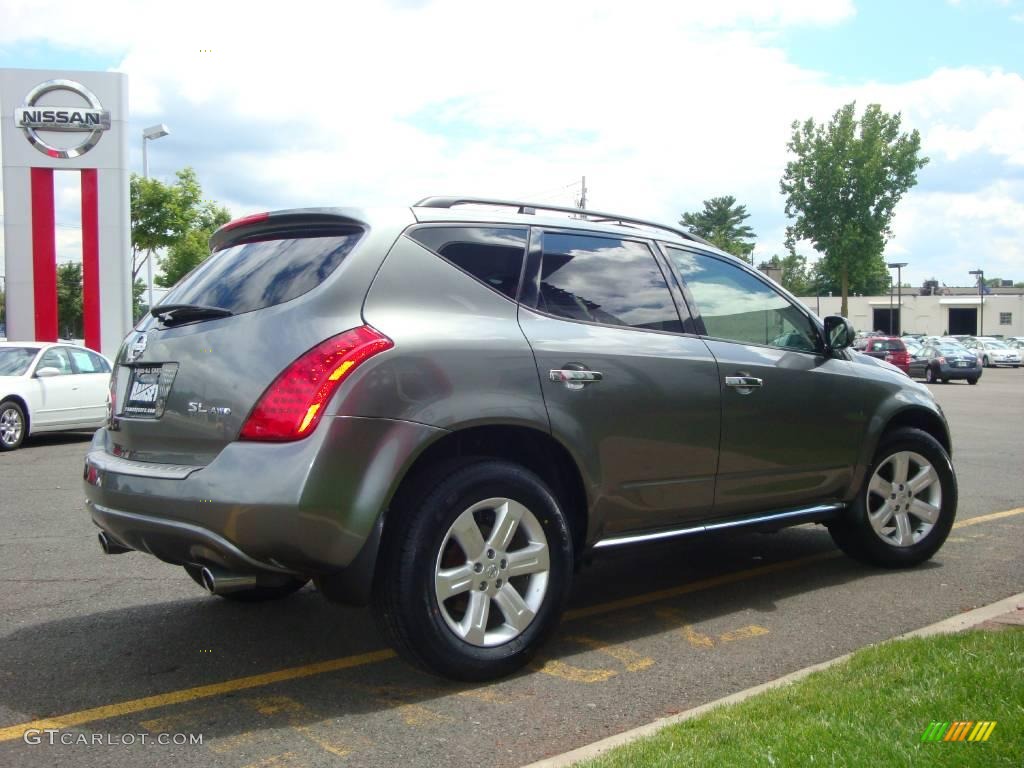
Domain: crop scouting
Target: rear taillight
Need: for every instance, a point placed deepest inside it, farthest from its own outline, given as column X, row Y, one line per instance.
column 292, row 406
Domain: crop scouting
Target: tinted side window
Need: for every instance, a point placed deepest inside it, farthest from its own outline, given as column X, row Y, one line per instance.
column 604, row 280
column 737, row 306
column 493, row 255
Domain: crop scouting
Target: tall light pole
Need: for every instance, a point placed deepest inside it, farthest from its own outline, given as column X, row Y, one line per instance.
column 980, row 274
column 153, row 132
column 898, row 266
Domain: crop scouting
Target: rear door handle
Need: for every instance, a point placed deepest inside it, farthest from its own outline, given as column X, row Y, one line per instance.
column 573, row 379
column 743, row 383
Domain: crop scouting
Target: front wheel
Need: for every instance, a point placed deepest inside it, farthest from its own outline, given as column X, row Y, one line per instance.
column 929, row 376
column 475, row 572
column 12, row 425
column 972, row 381
column 905, row 510
column 985, row 363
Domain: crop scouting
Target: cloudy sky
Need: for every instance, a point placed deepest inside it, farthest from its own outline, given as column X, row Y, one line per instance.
column 661, row 105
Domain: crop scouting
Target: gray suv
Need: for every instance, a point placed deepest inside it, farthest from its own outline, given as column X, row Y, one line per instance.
column 443, row 410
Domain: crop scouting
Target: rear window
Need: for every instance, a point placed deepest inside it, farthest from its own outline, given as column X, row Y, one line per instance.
column 261, row 274
column 888, row 345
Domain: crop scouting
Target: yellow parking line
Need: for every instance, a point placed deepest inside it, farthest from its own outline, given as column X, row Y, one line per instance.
column 191, row 694
column 986, row 518
column 132, row 706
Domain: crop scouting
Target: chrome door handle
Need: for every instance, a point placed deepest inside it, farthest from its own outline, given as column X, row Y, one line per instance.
column 743, row 382
column 575, row 380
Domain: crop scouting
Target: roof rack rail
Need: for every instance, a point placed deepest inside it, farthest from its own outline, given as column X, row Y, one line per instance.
column 532, row 208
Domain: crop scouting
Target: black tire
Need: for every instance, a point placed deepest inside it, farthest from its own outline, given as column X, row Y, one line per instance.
column 254, row 594
column 929, row 375
column 945, row 381
column 854, row 534
column 985, row 363
column 405, row 602
column 13, row 416
column 972, row 382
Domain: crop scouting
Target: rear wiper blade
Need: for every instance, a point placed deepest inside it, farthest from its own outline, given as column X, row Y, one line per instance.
column 170, row 314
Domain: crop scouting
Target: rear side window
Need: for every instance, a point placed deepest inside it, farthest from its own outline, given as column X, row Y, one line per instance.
column 493, row 255
column 261, row 274
column 888, row 345
column 85, row 362
column 604, row 280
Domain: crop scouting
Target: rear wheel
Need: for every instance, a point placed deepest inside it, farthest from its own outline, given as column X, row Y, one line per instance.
column 972, row 381
column 906, row 508
column 12, row 425
column 985, row 363
column 252, row 594
column 475, row 571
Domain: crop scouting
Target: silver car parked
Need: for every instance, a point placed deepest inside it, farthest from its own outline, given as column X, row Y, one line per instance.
column 443, row 410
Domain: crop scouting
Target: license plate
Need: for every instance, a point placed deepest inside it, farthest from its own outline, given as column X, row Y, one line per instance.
column 960, row 365
column 143, row 389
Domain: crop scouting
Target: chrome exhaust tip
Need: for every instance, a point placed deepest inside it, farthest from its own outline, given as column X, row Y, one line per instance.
column 111, row 547
column 220, row 582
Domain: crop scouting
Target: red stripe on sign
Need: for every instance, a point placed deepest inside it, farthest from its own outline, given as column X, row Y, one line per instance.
column 44, row 254
column 91, row 258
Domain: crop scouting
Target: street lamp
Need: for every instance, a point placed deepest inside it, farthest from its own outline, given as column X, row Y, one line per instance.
column 148, row 134
column 898, row 266
column 980, row 274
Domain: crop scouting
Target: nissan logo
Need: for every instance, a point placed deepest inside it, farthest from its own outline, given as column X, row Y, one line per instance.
column 89, row 118
column 136, row 348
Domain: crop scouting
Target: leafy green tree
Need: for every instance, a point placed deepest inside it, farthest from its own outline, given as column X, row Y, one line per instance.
column 842, row 188
column 69, row 300
column 163, row 215
column 189, row 251
column 721, row 222
column 139, row 304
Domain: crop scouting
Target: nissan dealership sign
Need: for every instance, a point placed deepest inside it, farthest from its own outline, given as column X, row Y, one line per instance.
column 65, row 121
column 88, row 117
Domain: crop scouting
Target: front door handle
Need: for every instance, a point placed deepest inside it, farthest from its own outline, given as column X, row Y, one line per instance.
column 574, row 379
column 745, row 384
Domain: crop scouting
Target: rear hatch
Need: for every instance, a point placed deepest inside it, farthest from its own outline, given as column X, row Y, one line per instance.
column 275, row 286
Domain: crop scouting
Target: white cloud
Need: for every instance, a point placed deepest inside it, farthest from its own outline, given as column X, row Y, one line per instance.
column 659, row 105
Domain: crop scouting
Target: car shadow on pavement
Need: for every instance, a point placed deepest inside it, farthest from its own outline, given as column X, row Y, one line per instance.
column 95, row 659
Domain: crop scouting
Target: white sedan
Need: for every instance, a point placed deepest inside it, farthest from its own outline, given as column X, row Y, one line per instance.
column 994, row 352
column 49, row 388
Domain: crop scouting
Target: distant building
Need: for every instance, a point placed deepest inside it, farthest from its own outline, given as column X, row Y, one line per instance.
column 952, row 311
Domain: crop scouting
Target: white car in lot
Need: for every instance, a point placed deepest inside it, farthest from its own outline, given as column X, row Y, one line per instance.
column 48, row 387
column 994, row 352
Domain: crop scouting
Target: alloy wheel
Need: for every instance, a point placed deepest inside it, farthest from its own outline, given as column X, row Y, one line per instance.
column 904, row 499
column 10, row 426
column 492, row 572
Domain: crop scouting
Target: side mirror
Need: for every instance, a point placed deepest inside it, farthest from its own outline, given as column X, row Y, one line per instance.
column 838, row 333
column 48, row 371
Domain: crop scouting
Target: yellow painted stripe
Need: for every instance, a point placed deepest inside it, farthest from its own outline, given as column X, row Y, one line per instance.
column 988, row 731
column 192, row 694
column 132, row 706
column 988, row 518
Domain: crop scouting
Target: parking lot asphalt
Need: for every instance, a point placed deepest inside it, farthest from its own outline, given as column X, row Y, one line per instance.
column 114, row 649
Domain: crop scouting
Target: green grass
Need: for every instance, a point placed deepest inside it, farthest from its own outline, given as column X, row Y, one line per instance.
column 868, row 711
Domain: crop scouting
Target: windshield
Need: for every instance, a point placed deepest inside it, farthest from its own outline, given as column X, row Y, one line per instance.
column 995, row 345
column 14, row 361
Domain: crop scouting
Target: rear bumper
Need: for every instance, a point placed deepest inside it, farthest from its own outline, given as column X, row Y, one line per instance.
column 945, row 372
column 307, row 507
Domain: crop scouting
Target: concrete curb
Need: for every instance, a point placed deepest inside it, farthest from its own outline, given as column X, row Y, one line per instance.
column 946, row 626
